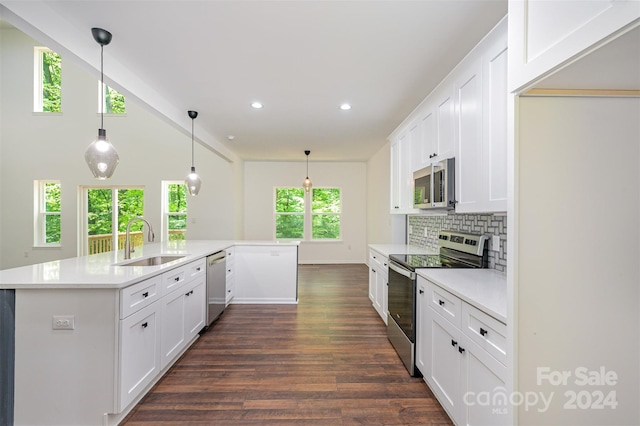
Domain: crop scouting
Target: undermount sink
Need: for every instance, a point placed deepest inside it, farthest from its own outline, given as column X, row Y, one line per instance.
column 151, row 261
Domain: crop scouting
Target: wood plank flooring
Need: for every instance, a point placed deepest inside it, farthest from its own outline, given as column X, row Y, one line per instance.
column 325, row 361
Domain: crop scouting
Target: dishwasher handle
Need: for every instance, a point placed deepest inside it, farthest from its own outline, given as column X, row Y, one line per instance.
column 216, row 257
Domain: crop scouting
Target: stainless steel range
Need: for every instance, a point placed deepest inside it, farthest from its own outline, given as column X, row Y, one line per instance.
column 457, row 250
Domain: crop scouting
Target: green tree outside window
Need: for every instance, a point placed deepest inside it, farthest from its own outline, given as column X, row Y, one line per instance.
column 289, row 213
column 177, row 211
column 326, row 207
column 51, row 81
column 52, row 213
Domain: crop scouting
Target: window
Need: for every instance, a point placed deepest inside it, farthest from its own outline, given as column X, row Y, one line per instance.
column 317, row 211
column 47, row 219
column 175, row 211
column 325, row 216
column 289, row 213
column 112, row 100
column 108, row 210
column 47, row 81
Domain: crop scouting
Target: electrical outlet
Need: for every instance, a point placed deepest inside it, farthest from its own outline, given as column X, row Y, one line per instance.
column 495, row 242
column 426, row 231
column 64, row 322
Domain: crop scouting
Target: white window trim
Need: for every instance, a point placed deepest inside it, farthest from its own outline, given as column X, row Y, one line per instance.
column 165, row 208
column 38, row 108
column 307, row 232
column 83, row 191
column 40, row 214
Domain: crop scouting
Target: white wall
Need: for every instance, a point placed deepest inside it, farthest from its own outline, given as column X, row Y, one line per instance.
column 260, row 179
column 379, row 220
column 578, row 275
column 37, row 146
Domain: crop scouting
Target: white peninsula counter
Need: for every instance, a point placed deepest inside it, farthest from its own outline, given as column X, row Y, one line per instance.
column 92, row 335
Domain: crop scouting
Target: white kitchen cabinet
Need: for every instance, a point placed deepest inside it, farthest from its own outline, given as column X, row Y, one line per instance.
column 451, row 352
column 437, row 126
column 481, row 125
column 139, row 353
column 545, row 35
column 183, row 312
column 230, row 281
column 401, row 175
column 378, row 278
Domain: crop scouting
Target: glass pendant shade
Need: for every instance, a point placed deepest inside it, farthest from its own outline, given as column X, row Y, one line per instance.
column 306, row 184
column 193, row 182
column 101, row 156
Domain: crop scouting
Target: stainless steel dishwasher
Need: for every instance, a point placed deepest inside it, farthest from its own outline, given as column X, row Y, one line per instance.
column 216, row 285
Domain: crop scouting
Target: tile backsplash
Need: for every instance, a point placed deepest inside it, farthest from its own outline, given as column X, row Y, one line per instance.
column 487, row 224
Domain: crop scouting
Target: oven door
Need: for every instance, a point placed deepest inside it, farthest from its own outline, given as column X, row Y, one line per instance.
column 402, row 298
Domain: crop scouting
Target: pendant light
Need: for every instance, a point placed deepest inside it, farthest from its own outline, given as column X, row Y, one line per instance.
column 193, row 181
column 306, row 184
column 101, row 156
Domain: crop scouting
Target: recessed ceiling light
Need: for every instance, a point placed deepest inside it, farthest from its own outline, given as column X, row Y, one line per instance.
column 256, row 105
column 345, row 107
column 231, row 137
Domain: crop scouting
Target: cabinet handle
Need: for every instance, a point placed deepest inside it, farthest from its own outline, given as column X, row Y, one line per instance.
column 188, row 293
column 176, row 279
column 454, row 343
column 145, row 294
column 441, row 302
column 483, row 332
column 198, row 269
column 460, row 349
column 228, row 291
column 228, row 270
column 421, row 291
column 144, row 325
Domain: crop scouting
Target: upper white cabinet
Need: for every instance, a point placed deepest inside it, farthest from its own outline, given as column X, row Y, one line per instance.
column 545, row 35
column 481, row 124
column 402, row 175
column 464, row 117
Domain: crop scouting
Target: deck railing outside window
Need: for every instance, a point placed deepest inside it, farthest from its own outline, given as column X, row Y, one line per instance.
column 103, row 243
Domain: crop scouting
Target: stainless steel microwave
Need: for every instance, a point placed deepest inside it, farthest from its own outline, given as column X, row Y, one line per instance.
column 434, row 186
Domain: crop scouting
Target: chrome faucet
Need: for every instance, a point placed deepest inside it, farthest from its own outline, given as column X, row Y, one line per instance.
column 127, row 239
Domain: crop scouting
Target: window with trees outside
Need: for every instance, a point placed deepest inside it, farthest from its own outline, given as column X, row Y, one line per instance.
column 112, row 100
column 109, row 209
column 47, row 228
column 47, row 92
column 319, row 212
column 175, row 211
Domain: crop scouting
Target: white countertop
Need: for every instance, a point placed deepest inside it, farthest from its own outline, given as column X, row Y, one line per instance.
column 387, row 249
column 100, row 271
column 486, row 289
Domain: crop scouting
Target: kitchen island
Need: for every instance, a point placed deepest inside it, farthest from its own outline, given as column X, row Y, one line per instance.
column 92, row 335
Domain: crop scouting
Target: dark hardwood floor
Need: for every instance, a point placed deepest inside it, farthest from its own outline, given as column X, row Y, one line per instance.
column 325, row 361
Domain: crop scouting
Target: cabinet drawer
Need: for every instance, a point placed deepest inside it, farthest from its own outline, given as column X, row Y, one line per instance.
column 445, row 303
column 489, row 333
column 174, row 279
column 137, row 296
column 196, row 269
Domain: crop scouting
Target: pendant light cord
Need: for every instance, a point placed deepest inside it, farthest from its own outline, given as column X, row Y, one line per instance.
column 192, row 157
column 101, row 86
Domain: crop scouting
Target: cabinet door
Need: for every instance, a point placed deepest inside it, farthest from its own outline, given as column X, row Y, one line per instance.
column 428, row 136
column 485, row 398
column 173, row 325
column 469, row 133
column 445, row 123
column 495, row 98
column 541, row 44
column 373, row 284
column 139, row 352
column 422, row 337
column 443, row 368
column 401, row 176
column 383, row 279
column 194, row 307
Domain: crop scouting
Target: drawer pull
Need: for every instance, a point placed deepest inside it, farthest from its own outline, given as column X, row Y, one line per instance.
column 483, row 332
column 454, row 343
column 198, row 269
column 188, row 293
column 441, row 302
column 421, row 291
column 176, row 279
column 228, row 270
column 144, row 325
column 228, row 291
column 460, row 349
column 145, row 294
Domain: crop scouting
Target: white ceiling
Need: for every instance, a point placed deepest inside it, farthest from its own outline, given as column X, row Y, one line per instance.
column 301, row 59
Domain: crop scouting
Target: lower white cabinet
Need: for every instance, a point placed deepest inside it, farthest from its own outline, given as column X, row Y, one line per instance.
column 139, row 352
column 463, row 376
column 378, row 278
column 230, row 279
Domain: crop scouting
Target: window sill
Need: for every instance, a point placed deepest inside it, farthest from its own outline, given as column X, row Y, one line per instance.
column 46, row 246
column 47, row 114
column 112, row 115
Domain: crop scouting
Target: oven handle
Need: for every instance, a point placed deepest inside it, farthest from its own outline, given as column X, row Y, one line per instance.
column 402, row 271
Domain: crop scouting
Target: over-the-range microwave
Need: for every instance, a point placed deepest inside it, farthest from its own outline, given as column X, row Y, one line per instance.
column 434, row 186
